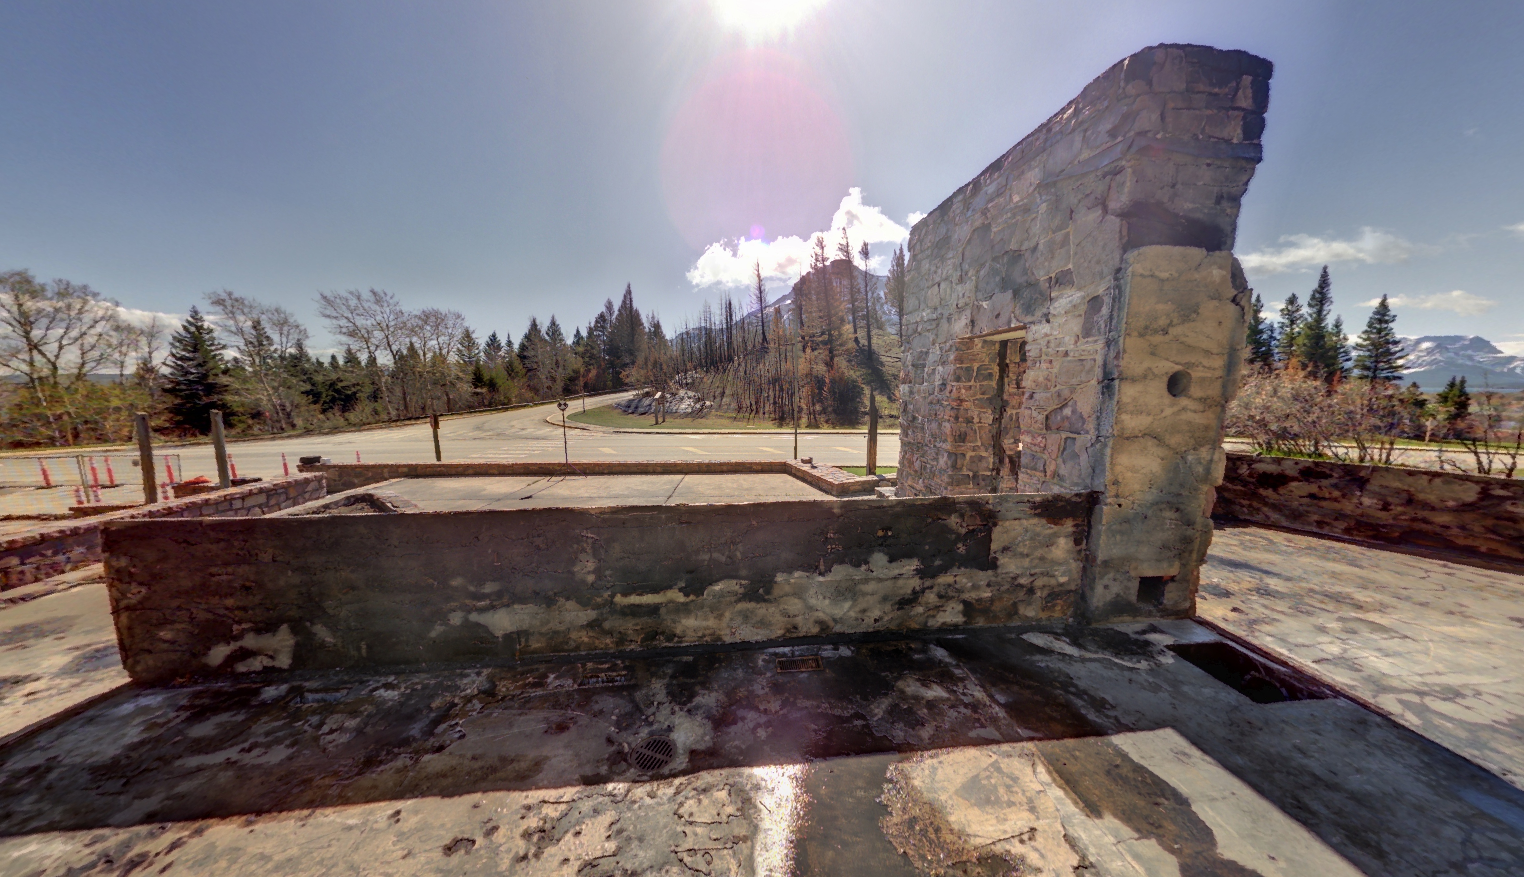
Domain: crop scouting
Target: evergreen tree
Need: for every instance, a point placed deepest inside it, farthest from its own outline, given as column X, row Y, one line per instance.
column 531, row 348
column 1454, row 403
column 1261, row 335
column 1317, row 344
column 467, row 350
column 627, row 336
column 492, row 351
column 195, row 374
column 898, row 285
column 1378, row 351
column 1288, row 330
column 1341, row 354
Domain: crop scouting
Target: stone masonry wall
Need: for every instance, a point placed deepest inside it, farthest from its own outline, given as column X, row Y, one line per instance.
column 1447, row 511
column 1156, row 153
column 34, row 555
column 1157, row 150
column 216, row 597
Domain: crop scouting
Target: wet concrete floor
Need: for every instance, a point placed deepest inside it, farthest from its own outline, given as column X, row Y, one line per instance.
column 1045, row 751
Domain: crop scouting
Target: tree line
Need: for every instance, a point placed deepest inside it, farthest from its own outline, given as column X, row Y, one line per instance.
column 74, row 370
column 828, row 352
column 1310, row 391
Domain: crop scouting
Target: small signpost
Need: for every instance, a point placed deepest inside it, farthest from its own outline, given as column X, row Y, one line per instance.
column 565, row 445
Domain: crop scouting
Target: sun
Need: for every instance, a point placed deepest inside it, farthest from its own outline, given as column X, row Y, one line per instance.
column 762, row 19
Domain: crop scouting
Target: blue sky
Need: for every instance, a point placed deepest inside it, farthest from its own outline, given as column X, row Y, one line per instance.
column 507, row 159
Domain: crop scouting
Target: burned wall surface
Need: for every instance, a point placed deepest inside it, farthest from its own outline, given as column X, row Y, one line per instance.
column 1446, row 511
column 1018, row 318
column 216, row 597
column 33, row 555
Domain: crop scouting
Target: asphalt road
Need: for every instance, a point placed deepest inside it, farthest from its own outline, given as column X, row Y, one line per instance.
column 524, row 435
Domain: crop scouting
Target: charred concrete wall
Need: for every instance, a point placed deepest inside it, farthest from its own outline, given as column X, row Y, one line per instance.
column 218, row 597
column 1018, row 317
column 33, row 555
column 1447, row 511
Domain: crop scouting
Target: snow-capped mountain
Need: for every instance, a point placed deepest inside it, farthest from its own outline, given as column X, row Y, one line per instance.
column 1433, row 359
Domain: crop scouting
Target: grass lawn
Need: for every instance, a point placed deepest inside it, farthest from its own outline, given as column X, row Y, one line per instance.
column 863, row 470
column 608, row 415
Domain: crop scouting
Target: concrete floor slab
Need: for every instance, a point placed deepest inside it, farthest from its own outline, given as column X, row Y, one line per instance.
column 459, row 494
column 1093, row 751
column 1435, row 645
column 57, row 650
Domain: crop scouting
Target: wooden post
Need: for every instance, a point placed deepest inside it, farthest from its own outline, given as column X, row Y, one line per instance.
column 145, row 459
column 434, row 425
column 220, row 448
column 872, row 434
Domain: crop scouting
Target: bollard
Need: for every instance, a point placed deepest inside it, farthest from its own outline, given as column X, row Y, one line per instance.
column 145, row 459
column 285, row 468
column 220, row 447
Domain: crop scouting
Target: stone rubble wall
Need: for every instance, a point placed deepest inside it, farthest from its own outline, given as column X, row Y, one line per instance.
column 1446, row 511
column 33, row 555
column 215, row 597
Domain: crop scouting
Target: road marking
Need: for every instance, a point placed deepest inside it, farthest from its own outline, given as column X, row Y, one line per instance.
column 608, row 450
column 848, row 450
column 771, row 450
column 694, row 450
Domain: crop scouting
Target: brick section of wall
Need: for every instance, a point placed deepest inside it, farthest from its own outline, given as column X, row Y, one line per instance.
column 216, row 598
column 1447, row 511
column 1158, row 150
column 348, row 476
column 34, row 555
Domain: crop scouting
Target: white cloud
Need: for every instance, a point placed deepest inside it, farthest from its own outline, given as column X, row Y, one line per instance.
column 1517, row 229
column 143, row 319
column 1305, row 251
column 1512, row 348
column 729, row 262
column 1457, row 300
column 914, row 217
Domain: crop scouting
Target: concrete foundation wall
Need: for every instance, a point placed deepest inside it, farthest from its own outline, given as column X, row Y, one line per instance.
column 1448, row 511
column 34, row 555
column 214, row 598
column 829, row 479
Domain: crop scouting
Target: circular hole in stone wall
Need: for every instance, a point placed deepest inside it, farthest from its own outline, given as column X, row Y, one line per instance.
column 1179, row 383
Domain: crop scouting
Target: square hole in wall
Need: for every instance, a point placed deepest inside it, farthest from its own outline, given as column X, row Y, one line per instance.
column 1255, row 678
column 1151, row 589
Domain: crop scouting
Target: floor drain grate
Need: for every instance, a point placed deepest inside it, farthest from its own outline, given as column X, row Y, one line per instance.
column 653, row 753
column 799, row 665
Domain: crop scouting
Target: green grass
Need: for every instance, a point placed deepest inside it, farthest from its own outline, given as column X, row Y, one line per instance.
column 608, row 415
column 863, row 470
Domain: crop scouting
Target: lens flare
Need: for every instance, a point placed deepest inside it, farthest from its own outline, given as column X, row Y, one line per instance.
column 758, row 20
column 754, row 148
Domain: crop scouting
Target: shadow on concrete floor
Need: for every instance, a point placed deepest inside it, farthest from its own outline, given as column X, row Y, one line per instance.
column 1187, row 767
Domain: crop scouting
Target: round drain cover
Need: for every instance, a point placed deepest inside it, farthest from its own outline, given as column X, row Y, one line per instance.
column 653, row 753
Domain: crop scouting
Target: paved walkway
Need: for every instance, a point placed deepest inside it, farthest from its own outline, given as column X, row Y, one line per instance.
column 1437, row 646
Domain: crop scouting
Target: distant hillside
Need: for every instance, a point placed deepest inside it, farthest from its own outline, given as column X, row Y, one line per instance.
column 1433, row 359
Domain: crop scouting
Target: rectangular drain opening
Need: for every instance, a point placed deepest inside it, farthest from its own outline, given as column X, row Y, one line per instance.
column 1249, row 675
column 799, row 665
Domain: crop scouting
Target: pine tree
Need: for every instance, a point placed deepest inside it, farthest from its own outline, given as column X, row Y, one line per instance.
column 1340, row 355
column 1378, row 351
column 1260, row 338
column 627, row 337
column 195, row 374
column 897, row 287
column 1316, row 344
column 1288, row 330
column 1454, row 403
